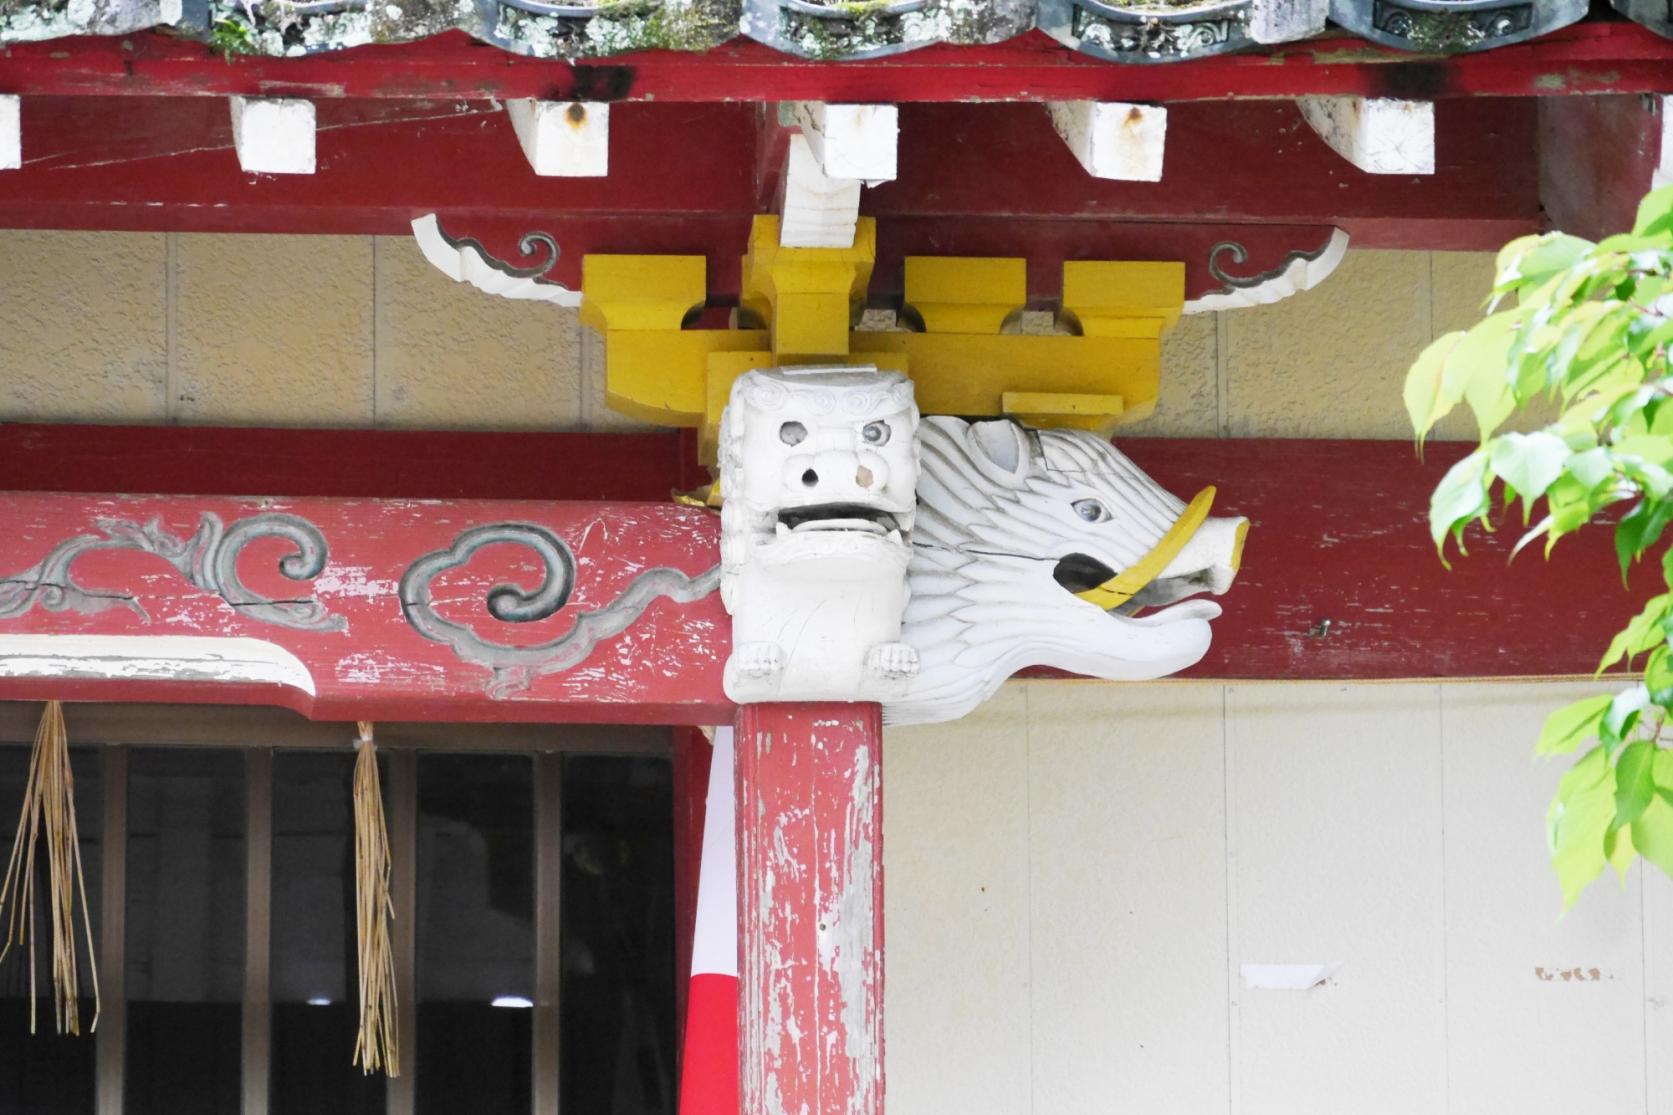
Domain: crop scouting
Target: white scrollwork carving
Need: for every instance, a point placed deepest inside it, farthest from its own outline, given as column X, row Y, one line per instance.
column 818, row 467
column 1015, row 528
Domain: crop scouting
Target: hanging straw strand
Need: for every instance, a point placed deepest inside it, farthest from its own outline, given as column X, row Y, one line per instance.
column 377, row 1045
column 49, row 810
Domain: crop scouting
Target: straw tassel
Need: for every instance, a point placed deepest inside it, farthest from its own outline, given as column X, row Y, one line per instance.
column 377, row 1046
column 49, row 811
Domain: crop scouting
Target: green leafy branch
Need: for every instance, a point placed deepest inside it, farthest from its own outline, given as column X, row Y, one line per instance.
column 1588, row 325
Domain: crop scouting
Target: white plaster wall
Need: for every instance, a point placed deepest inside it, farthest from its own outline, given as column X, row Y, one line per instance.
column 1078, row 872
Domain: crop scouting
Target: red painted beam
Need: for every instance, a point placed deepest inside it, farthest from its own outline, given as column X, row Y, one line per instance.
column 363, row 464
column 810, row 909
column 1597, row 158
column 1592, row 57
column 167, row 163
column 1339, row 578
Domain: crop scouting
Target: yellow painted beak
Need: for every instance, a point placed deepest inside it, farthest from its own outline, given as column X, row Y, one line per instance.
column 1125, row 585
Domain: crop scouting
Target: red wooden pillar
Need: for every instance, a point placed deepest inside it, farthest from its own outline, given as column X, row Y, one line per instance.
column 810, row 909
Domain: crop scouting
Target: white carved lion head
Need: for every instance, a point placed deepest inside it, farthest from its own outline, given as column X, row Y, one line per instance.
column 815, row 450
column 1014, row 526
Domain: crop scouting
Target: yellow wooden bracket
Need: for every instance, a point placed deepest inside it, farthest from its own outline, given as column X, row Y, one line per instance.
column 799, row 306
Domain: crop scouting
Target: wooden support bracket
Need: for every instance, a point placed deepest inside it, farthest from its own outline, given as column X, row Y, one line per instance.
column 1379, row 135
column 11, row 132
column 273, row 135
column 1114, row 139
column 851, row 141
column 563, row 139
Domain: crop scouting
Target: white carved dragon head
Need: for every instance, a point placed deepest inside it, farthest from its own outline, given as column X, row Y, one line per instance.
column 1050, row 548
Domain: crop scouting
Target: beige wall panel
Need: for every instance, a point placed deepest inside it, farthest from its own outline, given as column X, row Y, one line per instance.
column 83, row 334
column 956, row 884
column 1189, row 405
column 1127, row 806
column 1522, row 1038
column 1658, row 987
column 1330, row 362
column 273, row 330
column 453, row 357
column 1335, row 845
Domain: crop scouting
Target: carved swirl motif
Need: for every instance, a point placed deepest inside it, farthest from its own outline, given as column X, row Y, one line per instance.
column 1240, row 254
column 208, row 560
column 515, row 667
column 1432, row 29
column 1218, row 30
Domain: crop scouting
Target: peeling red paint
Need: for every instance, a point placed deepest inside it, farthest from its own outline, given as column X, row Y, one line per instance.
column 810, row 909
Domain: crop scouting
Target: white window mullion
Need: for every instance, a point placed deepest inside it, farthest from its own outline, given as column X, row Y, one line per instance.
column 548, row 963
column 113, row 868
column 403, row 854
column 258, row 926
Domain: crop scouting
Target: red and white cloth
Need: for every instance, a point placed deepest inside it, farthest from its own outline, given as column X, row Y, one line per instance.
column 709, row 1063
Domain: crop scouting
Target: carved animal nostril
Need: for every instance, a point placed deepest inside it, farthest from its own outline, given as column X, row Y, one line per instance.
column 863, row 477
column 810, row 478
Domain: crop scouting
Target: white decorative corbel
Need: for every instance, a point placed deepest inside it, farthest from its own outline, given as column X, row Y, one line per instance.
column 464, row 261
column 273, row 135
column 851, row 141
column 818, row 211
column 1114, row 139
column 11, row 132
column 819, row 467
column 1379, row 135
column 563, row 139
column 1298, row 272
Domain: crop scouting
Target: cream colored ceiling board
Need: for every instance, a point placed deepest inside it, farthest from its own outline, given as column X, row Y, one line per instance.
column 272, row 330
column 453, row 357
column 955, row 850
column 112, row 366
column 1521, row 983
column 1334, row 795
column 1128, row 897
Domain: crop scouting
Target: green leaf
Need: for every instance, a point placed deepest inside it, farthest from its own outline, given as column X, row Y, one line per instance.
column 1528, row 462
column 1618, row 850
column 1639, row 529
column 1622, row 715
column 1429, row 392
column 1481, row 363
column 1571, row 725
column 1642, row 632
column 1658, row 675
column 1635, row 782
column 1579, row 817
column 1462, row 495
column 1652, row 834
column 1655, row 213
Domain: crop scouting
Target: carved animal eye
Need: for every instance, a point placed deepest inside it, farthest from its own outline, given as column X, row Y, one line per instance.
column 792, row 433
column 875, row 433
column 1091, row 510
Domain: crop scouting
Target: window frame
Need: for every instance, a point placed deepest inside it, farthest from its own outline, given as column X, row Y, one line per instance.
column 259, row 731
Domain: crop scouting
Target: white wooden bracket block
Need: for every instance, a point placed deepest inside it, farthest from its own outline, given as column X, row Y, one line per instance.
column 1378, row 135
column 11, row 132
column 819, row 211
column 1114, row 139
column 273, row 135
column 851, row 141
column 1663, row 174
column 563, row 139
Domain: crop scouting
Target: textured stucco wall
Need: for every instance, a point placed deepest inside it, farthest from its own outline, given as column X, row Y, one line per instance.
column 272, row 330
column 360, row 331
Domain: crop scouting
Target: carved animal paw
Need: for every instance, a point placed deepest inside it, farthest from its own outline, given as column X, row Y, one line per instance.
column 892, row 660
column 758, row 660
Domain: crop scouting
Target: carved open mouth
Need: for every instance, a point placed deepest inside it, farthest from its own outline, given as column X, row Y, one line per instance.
column 837, row 516
column 1079, row 572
